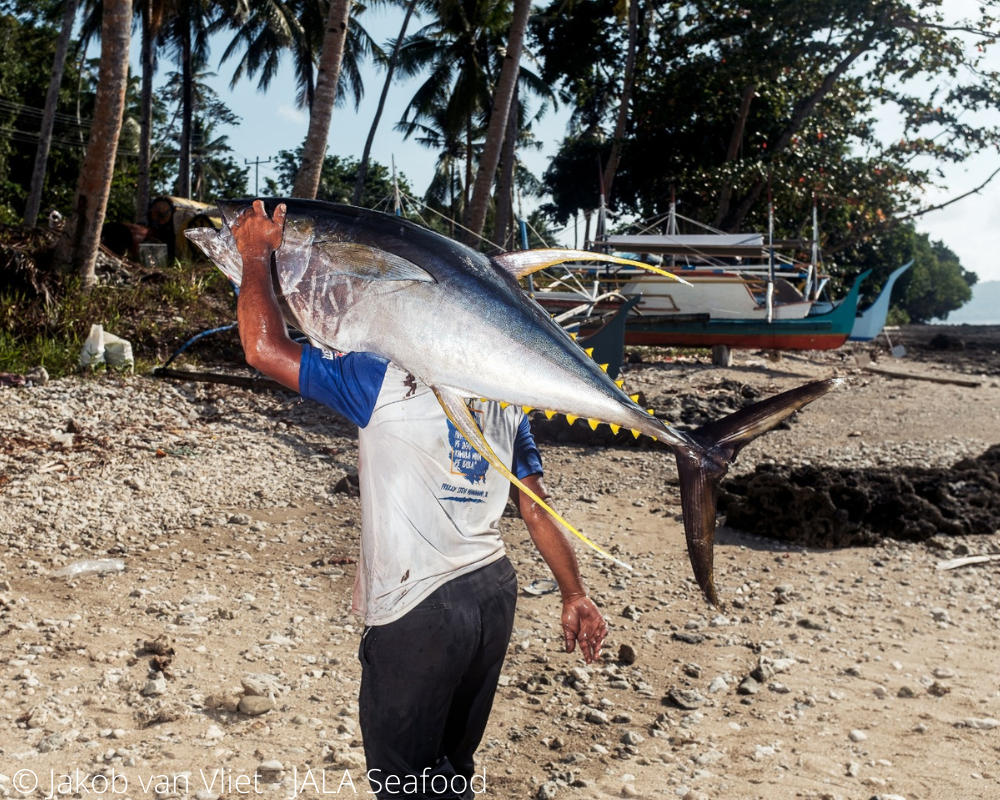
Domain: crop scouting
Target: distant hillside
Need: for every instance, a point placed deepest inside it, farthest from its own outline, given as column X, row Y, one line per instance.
column 982, row 309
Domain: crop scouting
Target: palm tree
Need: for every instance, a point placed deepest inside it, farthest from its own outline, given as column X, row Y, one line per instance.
column 49, row 115
column 206, row 150
column 153, row 14
column 462, row 54
column 447, row 190
column 324, row 97
column 359, row 185
column 186, row 34
column 456, row 52
column 265, row 30
column 475, row 214
column 77, row 249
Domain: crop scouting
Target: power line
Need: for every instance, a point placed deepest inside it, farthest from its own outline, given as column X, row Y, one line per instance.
column 256, row 164
column 32, row 112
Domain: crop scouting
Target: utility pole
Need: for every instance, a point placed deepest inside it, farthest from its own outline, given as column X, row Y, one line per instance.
column 256, row 178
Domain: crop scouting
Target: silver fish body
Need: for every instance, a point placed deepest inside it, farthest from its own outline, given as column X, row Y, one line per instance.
column 358, row 280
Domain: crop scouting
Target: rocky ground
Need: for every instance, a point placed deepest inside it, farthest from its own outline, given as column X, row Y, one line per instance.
column 222, row 659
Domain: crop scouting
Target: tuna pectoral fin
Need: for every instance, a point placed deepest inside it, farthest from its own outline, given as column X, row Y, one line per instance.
column 702, row 469
column 461, row 417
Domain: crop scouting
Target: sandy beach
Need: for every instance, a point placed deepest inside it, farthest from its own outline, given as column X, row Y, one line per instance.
column 222, row 659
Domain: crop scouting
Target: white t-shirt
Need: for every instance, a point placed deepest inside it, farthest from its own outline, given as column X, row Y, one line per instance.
column 430, row 503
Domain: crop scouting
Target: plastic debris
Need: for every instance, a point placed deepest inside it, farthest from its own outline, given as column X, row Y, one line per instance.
column 91, row 566
column 106, row 348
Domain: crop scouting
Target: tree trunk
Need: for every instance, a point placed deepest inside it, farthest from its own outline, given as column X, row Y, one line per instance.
column 321, row 110
column 183, row 187
column 148, row 62
column 77, row 249
column 626, row 98
column 49, row 115
column 467, row 188
column 359, row 184
column 503, row 219
column 734, row 150
column 475, row 214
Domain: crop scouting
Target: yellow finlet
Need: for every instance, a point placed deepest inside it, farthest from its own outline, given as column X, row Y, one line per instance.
column 620, row 383
column 504, row 404
column 571, row 419
column 651, row 412
column 604, row 367
column 589, row 351
column 634, row 398
column 636, row 433
column 549, row 414
column 573, row 336
column 593, row 423
column 615, row 428
column 527, row 409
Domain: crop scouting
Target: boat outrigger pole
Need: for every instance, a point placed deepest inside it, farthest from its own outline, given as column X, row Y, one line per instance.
column 814, row 264
column 770, row 246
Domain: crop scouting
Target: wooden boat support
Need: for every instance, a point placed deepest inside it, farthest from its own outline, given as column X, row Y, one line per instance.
column 819, row 332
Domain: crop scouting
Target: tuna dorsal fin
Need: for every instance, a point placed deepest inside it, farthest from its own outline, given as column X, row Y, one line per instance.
column 368, row 263
column 523, row 262
column 458, row 412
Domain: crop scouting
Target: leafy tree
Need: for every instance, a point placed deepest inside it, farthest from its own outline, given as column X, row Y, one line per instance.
column 337, row 179
column 730, row 99
column 935, row 285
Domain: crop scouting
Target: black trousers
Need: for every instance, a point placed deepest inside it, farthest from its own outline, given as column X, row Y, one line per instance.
column 428, row 682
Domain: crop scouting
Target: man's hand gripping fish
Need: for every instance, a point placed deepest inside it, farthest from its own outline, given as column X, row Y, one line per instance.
column 359, row 280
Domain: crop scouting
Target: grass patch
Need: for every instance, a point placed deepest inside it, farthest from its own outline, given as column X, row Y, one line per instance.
column 45, row 320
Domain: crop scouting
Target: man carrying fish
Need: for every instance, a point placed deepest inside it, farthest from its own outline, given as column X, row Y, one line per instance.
column 434, row 586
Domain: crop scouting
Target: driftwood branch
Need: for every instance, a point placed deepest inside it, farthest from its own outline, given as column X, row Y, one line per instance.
column 954, row 563
column 930, row 378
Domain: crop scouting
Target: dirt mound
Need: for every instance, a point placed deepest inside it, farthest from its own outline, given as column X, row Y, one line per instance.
column 840, row 507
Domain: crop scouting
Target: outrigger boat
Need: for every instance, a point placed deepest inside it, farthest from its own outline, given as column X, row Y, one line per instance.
column 742, row 294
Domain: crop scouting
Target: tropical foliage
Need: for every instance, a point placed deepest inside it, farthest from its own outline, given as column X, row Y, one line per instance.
column 852, row 105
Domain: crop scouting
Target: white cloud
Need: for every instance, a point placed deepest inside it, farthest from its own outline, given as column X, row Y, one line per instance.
column 293, row 114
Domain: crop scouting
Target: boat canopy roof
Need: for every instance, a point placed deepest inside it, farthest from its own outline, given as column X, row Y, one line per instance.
column 718, row 245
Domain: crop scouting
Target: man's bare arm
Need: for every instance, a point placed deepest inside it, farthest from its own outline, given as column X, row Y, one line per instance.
column 265, row 340
column 581, row 620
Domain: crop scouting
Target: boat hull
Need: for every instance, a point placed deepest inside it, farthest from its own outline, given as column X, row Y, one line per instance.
column 820, row 332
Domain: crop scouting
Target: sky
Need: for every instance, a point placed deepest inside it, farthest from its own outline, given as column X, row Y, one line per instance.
column 271, row 122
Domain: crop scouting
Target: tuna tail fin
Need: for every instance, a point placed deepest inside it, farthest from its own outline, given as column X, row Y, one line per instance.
column 702, row 468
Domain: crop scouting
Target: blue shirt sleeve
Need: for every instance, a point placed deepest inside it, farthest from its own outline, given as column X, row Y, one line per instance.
column 348, row 383
column 527, row 459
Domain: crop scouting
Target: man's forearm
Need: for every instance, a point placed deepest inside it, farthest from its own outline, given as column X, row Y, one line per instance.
column 551, row 542
column 265, row 340
column 257, row 309
column 582, row 621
